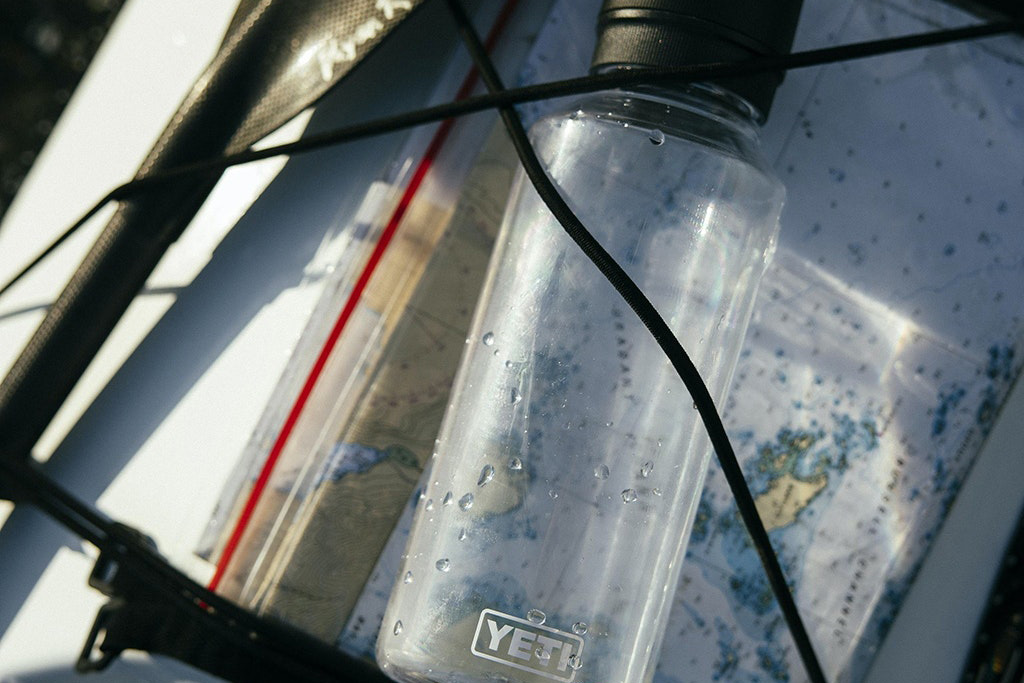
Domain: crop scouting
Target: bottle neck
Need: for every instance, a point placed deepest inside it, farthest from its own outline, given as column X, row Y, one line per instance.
column 714, row 100
column 706, row 113
column 722, row 100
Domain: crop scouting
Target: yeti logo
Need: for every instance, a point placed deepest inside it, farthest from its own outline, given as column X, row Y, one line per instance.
column 524, row 645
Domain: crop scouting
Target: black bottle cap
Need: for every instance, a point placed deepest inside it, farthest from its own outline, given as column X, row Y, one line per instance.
column 661, row 33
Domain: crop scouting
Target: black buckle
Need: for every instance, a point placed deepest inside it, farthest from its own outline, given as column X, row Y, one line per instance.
column 183, row 621
column 155, row 608
column 94, row 657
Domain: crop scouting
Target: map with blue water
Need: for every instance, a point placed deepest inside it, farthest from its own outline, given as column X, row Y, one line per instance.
column 855, row 434
column 886, row 337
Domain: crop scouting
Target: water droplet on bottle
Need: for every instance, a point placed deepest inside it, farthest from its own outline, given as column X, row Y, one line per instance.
column 629, row 496
column 466, row 501
column 515, row 464
column 430, row 504
column 488, row 339
column 448, row 498
column 462, row 534
column 508, row 364
column 695, row 405
column 575, row 662
column 486, row 474
column 601, row 471
column 656, row 137
column 536, row 616
column 646, row 469
column 516, row 396
column 553, row 494
column 542, row 654
column 443, row 564
column 608, row 424
column 407, row 578
column 580, row 628
column 398, row 627
column 656, row 492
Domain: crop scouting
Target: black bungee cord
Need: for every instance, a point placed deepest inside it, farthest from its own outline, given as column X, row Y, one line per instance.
column 533, row 93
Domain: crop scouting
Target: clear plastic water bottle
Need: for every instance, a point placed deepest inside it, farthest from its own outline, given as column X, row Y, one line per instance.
column 548, row 543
